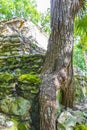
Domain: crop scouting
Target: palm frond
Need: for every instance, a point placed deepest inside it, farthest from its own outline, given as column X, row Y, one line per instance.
column 81, row 24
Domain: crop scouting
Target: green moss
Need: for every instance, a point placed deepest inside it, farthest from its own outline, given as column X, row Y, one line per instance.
column 6, row 77
column 30, row 78
column 21, row 70
column 81, row 127
column 26, row 63
column 22, row 126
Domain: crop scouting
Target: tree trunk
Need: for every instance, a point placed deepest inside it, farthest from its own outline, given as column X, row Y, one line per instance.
column 57, row 72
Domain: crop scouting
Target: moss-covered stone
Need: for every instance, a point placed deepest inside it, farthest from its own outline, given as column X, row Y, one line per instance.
column 22, row 126
column 81, row 127
column 6, row 123
column 19, row 98
column 6, row 77
column 30, row 79
column 80, row 87
column 24, row 63
column 17, row 106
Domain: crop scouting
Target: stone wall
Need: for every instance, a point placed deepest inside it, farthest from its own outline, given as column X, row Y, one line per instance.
column 19, row 90
column 19, row 99
column 21, row 60
column 19, row 37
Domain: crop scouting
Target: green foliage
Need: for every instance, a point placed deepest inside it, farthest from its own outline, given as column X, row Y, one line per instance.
column 78, row 58
column 81, row 127
column 25, row 9
column 81, row 25
column 19, row 8
column 80, row 30
column 45, row 21
column 30, row 78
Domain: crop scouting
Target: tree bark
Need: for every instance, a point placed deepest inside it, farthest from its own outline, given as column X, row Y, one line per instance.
column 57, row 72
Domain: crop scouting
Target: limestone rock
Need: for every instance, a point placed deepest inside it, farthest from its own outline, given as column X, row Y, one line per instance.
column 12, row 124
column 19, row 95
column 66, row 121
column 70, row 117
column 17, row 106
column 80, row 79
column 19, row 37
column 22, row 49
column 6, row 123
